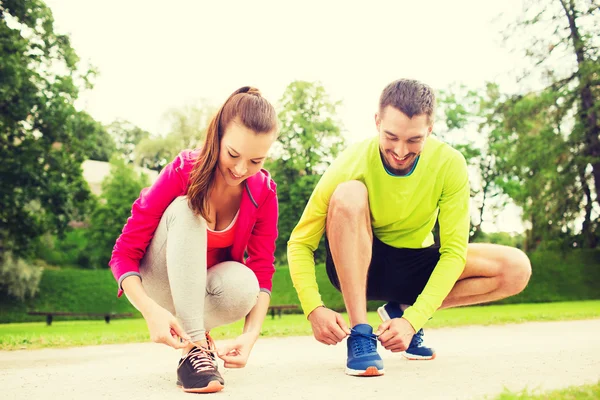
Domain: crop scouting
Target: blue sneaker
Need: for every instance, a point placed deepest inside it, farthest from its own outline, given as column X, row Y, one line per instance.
column 416, row 350
column 363, row 359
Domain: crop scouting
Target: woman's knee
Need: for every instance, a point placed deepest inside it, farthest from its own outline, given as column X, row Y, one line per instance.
column 179, row 212
column 235, row 283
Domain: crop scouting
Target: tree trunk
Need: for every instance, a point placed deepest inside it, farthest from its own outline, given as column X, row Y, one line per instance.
column 587, row 115
column 589, row 236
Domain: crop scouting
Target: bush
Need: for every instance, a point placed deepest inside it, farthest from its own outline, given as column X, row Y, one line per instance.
column 18, row 278
column 119, row 190
column 556, row 277
column 68, row 251
column 561, row 276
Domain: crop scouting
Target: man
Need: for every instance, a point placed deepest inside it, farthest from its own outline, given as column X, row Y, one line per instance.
column 378, row 204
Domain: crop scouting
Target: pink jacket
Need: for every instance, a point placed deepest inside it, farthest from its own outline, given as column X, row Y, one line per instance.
column 256, row 225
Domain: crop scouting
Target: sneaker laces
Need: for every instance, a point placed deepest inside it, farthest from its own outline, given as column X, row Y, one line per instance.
column 364, row 343
column 202, row 358
column 417, row 339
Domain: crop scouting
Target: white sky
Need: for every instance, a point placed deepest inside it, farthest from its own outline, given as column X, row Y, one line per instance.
column 154, row 56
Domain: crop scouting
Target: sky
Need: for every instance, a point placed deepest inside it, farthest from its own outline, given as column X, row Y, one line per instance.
column 154, row 56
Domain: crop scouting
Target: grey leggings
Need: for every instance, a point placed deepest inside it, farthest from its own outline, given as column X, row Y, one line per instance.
column 174, row 274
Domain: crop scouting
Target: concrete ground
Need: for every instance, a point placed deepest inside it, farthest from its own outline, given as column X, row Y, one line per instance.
column 472, row 363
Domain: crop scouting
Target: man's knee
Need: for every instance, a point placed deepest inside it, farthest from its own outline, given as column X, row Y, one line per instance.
column 349, row 199
column 517, row 269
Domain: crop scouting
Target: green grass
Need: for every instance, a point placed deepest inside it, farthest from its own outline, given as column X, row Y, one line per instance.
column 586, row 392
column 80, row 333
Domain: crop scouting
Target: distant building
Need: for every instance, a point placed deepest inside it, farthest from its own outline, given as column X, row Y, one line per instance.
column 94, row 173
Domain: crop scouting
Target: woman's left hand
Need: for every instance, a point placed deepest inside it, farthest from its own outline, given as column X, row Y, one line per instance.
column 235, row 353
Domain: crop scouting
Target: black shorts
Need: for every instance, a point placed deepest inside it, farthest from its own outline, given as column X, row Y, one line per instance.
column 395, row 274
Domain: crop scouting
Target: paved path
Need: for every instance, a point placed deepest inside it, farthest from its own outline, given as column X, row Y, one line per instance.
column 472, row 363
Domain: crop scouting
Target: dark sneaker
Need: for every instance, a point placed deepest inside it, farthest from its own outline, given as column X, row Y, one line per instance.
column 416, row 350
column 197, row 371
column 363, row 359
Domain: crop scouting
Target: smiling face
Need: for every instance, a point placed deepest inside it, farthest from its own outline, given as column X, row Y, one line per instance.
column 242, row 152
column 401, row 139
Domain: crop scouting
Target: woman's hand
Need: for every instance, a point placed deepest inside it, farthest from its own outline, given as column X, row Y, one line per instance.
column 164, row 327
column 235, row 353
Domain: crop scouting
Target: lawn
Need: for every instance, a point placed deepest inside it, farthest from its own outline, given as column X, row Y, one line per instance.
column 32, row 335
column 585, row 392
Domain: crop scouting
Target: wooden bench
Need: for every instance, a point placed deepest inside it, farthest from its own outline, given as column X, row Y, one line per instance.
column 278, row 308
column 50, row 315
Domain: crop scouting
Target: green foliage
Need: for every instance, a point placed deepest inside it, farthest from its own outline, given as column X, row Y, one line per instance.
column 18, row 278
column 309, row 141
column 67, row 251
column 549, row 140
column 188, row 129
column 561, row 276
column 464, row 111
column 501, row 238
column 119, row 190
column 103, row 145
column 43, row 139
column 71, row 290
column 126, row 136
column 556, row 277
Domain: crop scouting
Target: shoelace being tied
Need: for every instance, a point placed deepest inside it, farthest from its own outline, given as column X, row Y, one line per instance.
column 202, row 358
column 365, row 343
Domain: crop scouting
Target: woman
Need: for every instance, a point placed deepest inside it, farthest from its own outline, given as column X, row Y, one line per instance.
column 181, row 253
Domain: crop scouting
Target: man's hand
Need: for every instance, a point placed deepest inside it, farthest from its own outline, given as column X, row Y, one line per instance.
column 236, row 352
column 395, row 334
column 328, row 326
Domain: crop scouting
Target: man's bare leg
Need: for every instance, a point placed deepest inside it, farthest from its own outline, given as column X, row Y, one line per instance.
column 492, row 272
column 350, row 241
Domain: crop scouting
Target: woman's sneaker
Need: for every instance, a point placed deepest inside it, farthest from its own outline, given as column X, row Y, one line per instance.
column 197, row 371
column 363, row 359
column 416, row 350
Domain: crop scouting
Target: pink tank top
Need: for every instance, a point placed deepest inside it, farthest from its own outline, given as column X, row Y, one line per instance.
column 219, row 243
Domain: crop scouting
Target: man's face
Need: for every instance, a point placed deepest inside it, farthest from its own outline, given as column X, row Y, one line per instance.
column 401, row 139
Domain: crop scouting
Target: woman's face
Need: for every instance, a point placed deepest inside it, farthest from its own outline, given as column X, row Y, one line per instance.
column 243, row 152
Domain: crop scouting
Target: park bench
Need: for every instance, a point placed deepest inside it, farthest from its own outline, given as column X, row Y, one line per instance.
column 278, row 308
column 50, row 315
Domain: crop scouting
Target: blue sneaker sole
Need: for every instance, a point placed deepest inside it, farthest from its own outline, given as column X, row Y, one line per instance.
column 370, row 371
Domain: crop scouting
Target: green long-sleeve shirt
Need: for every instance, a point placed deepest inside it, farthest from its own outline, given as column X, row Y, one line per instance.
column 403, row 213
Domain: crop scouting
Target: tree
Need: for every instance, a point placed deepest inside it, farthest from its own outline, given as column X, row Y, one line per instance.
column 126, row 137
column 119, row 190
column 557, row 128
column 102, row 144
column 18, row 278
column 309, row 140
column 187, row 131
column 465, row 125
column 43, row 139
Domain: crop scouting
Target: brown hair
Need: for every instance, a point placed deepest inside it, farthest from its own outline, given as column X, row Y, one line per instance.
column 247, row 106
column 409, row 96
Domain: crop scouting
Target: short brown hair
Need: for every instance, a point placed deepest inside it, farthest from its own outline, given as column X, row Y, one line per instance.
column 409, row 96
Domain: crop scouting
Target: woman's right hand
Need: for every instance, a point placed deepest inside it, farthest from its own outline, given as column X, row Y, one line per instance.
column 164, row 327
